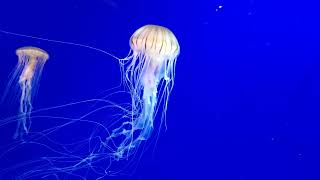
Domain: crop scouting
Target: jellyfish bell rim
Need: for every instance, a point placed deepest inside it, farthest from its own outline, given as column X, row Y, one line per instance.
column 32, row 51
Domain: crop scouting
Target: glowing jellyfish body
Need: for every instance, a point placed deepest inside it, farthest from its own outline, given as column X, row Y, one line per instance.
column 152, row 64
column 29, row 69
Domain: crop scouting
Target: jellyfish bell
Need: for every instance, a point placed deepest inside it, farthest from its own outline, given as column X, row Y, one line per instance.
column 155, row 40
column 33, row 58
column 32, row 52
column 156, row 47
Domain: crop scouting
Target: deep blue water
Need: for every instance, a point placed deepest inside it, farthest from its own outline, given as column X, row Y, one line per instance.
column 246, row 100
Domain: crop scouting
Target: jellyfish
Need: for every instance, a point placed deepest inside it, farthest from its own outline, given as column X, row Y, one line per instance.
column 148, row 72
column 27, row 75
column 116, row 125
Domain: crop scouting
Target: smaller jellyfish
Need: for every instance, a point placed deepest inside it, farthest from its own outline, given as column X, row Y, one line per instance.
column 27, row 75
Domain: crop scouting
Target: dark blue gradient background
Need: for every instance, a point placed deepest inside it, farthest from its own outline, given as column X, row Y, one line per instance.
column 246, row 103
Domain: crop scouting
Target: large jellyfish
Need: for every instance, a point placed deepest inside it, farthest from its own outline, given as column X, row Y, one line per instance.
column 151, row 65
column 27, row 74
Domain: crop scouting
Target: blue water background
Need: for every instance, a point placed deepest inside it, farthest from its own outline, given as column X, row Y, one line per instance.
column 246, row 101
